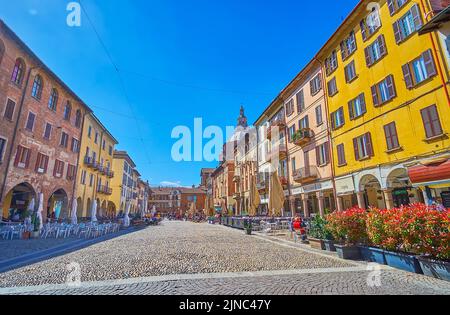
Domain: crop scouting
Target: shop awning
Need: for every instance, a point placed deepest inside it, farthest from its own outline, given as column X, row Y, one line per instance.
column 437, row 173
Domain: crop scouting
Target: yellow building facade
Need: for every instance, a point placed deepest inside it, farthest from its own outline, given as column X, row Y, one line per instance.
column 388, row 101
column 95, row 169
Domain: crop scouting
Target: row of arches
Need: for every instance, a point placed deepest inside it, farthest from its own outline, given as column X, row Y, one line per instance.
column 105, row 208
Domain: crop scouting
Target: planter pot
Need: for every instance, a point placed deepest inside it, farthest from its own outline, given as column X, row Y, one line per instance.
column 348, row 252
column 403, row 261
column 329, row 246
column 435, row 268
column 248, row 231
column 26, row 235
column 316, row 243
column 373, row 254
column 35, row 235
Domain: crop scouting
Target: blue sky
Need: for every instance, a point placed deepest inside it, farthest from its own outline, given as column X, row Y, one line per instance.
column 178, row 59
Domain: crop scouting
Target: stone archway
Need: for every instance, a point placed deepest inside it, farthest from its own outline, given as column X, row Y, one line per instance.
column 79, row 207
column 370, row 190
column 103, row 209
column 58, row 205
column 400, row 188
column 17, row 200
column 111, row 210
column 88, row 207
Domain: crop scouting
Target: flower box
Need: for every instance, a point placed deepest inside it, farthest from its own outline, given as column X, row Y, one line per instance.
column 316, row 243
column 406, row 262
column 348, row 252
column 435, row 268
column 373, row 254
column 329, row 246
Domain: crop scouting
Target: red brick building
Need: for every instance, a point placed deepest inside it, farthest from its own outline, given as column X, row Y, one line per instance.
column 41, row 121
column 176, row 199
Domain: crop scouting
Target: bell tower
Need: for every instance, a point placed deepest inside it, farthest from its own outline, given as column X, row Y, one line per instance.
column 242, row 120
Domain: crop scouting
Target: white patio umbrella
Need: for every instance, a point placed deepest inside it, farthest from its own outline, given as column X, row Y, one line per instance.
column 94, row 212
column 40, row 210
column 153, row 210
column 31, row 207
column 126, row 219
column 74, row 217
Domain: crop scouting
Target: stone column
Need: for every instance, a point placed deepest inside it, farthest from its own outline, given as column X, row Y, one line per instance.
column 305, row 205
column 361, row 201
column 292, row 205
column 321, row 199
column 389, row 199
column 340, row 204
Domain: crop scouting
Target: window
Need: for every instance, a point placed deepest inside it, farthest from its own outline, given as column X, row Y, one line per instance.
column 390, row 132
column 2, row 148
column 30, row 121
column 348, row 46
column 18, row 72
column 431, row 122
column 291, row 132
column 41, row 163
column 350, row 72
column 300, row 101
column 22, row 159
column 58, row 169
column 47, row 131
column 103, row 144
column 67, row 111
column 363, row 147
column 89, row 131
column 316, row 85
column 83, row 177
column 290, row 108
column 357, row 107
column 293, row 166
column 53, row 100
column 370, row 24
column 110, row 151
column 341, row 155
column 395, row 5
column 70, row 172
column 304, row 123
column 319, row 117
column 419, row 70
column 383, row 91
column 78, row 119
column 36, row 91
column 96, row 137
column 407, row 24
column 375, row 51
column 64, row 140
column 75, row 145
column 332, row 87
column 2, row 50
column 331, row 63
column 337, row 118
column 9, row 111
column 323, row 154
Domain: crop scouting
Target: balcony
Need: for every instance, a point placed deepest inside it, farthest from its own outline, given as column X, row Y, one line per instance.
column 305, row 174
column 279, row 151
column 279, row 124
column 302, row 137
column 109, row 173
column 104, row 190
column 89, row 161
column 101, row 169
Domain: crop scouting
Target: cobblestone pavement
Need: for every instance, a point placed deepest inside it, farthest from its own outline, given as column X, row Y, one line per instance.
column 188, row 258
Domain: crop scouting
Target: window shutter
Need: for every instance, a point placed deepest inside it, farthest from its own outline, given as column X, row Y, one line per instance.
column 391, row 7
column 427, row 122
column 435, row 121
column 368, row 56
column 382, row 43
column 327, row 152
column 350, row 110
column 346, row 74
column 429, row 63
column 362, row 101
column 341, row 115
column 18, row 154
column 317, row 156
column 407, row 76
column 355, row 147
column 369, row 144
column 333, row 121
column 388, row 136
column 375, row 95
column 46, row 164
column 36, row 167
column 417, row 18
column 362, row 25
column 397, row 33
column 27, row 162
column 343, row 51
column 391, row 86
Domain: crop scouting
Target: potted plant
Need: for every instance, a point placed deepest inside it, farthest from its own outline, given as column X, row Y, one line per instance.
column 248, row 226
column 376, row 232
column 316, row 234
column 348, row 229
column 36, row 224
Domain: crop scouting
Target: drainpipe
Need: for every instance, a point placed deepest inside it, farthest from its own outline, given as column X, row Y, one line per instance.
column 333, row 175
column 436, row 53
column 16, row 128
column 76, row 169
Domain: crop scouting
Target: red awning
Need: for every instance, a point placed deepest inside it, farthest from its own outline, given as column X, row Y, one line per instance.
column 430, row 173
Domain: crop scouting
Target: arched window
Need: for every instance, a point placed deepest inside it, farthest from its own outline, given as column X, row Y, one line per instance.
column 78, row 119
column 53, row 100
column 36, row 91
column 2, row 50
column 67, row 111
column 18, row 71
